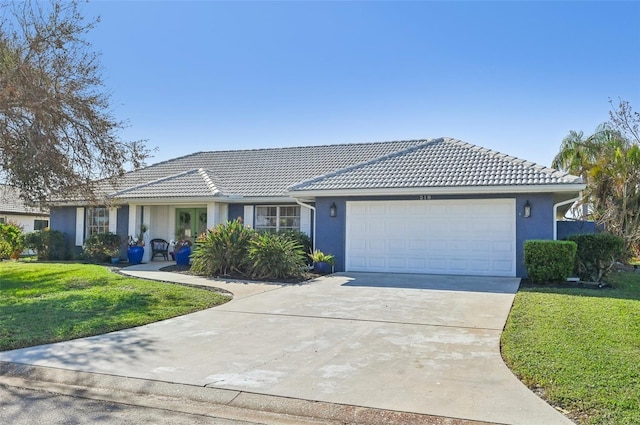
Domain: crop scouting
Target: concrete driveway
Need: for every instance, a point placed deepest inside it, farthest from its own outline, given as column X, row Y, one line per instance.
column 409, row 343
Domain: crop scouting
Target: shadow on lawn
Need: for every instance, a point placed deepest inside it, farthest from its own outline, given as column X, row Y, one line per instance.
column 617, row 291
column 91, row 354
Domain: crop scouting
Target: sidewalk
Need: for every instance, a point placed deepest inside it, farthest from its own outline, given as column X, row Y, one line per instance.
column 239, row 288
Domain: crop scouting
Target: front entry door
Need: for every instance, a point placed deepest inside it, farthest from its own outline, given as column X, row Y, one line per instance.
column 190, row 222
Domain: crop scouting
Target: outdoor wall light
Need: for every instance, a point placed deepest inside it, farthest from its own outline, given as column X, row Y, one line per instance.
column 333, row 210
column 526, row 212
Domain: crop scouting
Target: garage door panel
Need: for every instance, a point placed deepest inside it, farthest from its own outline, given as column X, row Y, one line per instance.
column 454, row 236
column 481, row 265
column 416, row 244
column 504, row 266
column 416, row 263
column 397, row 263
column 395, row 227
column 397, row 245
column 502, row 247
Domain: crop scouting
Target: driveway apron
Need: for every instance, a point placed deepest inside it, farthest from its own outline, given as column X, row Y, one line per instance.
column 413, row 343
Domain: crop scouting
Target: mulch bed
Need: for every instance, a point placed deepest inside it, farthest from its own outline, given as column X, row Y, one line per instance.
column 187, row 270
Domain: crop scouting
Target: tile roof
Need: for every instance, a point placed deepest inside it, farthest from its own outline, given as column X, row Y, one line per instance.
column 443, row 162
column 200, row 182
column 10, row 203
column 249, row 173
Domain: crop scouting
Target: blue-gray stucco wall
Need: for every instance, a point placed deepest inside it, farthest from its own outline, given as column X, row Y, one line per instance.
column 332, row 230
column 63, row 219
column 122, row 228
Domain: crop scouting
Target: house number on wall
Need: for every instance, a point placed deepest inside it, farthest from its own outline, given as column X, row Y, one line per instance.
column 424, row 197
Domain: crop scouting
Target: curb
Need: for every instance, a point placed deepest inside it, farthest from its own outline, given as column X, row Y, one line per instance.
column 208, row 401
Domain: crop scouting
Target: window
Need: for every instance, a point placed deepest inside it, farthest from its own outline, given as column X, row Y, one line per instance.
column 40, row 224
column 273, row 219
column 1, row 219
column 97, row 220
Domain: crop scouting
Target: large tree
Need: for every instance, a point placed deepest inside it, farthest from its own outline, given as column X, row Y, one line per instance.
column 57, row 133
column 609, row 162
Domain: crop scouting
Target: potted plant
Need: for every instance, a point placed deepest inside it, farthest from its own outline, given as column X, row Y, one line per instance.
column 322, row 263
column 182, row 251
column 136, row 246
column 114, row 253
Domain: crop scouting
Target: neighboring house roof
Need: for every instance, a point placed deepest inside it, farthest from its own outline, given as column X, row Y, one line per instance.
column 11, row 203
column 283, row 172
column 442, row 162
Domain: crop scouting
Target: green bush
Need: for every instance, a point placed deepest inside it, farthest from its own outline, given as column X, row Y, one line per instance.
column 549, row 261
column 596, row 255
column 11, row 243
column 274, row 256
column 223, row 250
column 100, row 247
column 318, row 256
column 300, row 238
column 48, row 244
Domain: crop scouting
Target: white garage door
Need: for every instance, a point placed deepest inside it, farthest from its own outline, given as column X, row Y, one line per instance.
column 464, row 237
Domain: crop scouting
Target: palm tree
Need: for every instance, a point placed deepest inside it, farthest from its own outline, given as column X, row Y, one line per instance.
column 609, row 164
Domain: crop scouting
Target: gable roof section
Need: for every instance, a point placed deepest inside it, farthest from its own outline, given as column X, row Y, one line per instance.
column 196, row 182
column 249, row 173
column 439, row 163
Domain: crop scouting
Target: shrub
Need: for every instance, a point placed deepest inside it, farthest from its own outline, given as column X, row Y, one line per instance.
column 11, row 242
column 597, row 253
column 275, row 256
column 48, row 244
column 101, row 247
column 222, row 250
column 549, row 261
column 300, row 238
column 318, row 256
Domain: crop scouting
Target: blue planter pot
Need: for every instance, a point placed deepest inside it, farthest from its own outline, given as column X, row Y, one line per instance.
column 322, row 267
column 134, row 254
column 182, row 256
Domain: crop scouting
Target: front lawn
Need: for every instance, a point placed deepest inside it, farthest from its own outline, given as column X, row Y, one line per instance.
column 580, row 348
column 49, row 302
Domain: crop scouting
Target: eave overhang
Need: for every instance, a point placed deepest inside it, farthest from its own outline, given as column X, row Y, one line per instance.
column 444, row 190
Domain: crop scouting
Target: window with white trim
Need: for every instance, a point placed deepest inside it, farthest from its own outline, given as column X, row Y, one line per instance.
column 1, row 219
column 97, row 220
column 276, row 218
column 40, row 224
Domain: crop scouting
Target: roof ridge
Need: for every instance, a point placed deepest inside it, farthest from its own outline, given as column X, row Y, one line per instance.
column 298, row 147
column 365, row 163
column 215, row 190
column 166, row 161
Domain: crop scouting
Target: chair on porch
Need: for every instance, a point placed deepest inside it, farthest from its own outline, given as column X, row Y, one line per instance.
column 160, row 246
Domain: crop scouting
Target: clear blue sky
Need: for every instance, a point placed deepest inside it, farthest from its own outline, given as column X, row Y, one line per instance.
column 509, row 76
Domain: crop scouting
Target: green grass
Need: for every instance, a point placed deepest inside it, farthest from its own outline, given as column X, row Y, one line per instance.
column 43, row 303
column 580, row 347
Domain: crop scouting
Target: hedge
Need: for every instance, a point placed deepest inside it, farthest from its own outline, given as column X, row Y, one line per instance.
column 549, row 261
column 596, row 254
